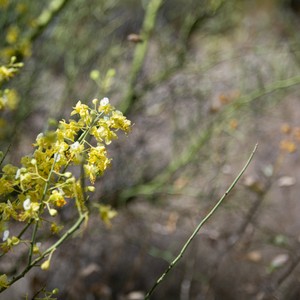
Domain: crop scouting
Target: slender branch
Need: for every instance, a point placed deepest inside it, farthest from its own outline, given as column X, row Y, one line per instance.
column 32, row 242
column 66, row 235
column 25, row 228
column 4, row 154
column 46, row 17
column 207, row 217
column 36, row 225
column 140, row 52
column 188, row 155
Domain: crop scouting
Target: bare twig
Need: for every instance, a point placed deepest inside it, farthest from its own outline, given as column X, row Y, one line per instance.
column 35, row 262
column 207, row 217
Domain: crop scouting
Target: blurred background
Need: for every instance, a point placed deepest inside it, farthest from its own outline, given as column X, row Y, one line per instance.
column 203, row 81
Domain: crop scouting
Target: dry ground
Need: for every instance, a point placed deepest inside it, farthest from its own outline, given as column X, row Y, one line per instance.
column 250, row 248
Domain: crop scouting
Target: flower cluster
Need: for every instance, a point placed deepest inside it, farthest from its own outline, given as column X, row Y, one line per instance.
column 43, row 183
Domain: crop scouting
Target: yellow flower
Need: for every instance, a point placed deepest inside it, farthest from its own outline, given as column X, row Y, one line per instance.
column 106, row 214
column 91, row 171
column 9, row 243
column 7, row 210
column 31, row 213
column 57, row 198
column 97, row 157
column 68, row 130
column 55, row 229
column 103, row 132
column 83, row 111
column 8, row 99
column 119, row 121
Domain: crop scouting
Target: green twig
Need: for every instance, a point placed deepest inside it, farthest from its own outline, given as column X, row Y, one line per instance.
column 36, row 225
column 140, row 52
column 46, row 17
column 66, row 235
column 157, row 184
column 207, row 217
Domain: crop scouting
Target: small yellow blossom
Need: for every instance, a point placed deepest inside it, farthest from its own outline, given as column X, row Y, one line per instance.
column 57, row 198
column 106, row 213
column 103, row 133
column 119, row 121
column 55, row 229
column 8, row 99
column 9, row 243
column 7, row 210
column 83, row 111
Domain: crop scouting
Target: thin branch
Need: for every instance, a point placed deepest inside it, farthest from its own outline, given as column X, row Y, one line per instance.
column 66, row 235
column 46, row 17
column 140, row 53
column 158, row 183
column 207, row 217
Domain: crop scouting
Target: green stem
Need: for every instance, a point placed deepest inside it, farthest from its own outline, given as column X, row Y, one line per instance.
column 140, row 52
column 66, row 235
column 46, row 17
column 207, row 217
column 46, row 187
column 32, row 242
column 158, row 183
column 25, row 228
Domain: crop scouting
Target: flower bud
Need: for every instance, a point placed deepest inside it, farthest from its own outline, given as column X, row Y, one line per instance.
column 5, row 235
column 52, row 212
column 45, row 265
column 91, row 188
